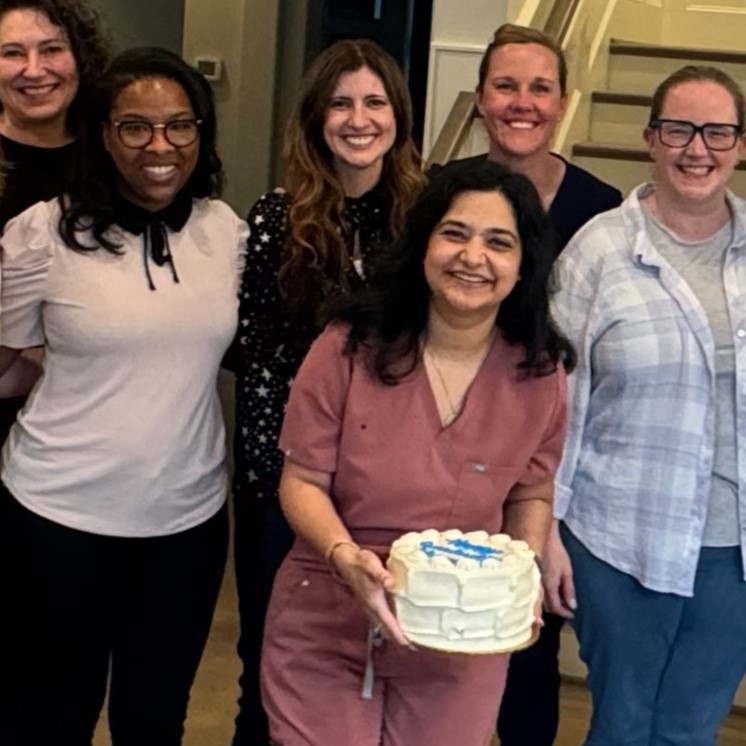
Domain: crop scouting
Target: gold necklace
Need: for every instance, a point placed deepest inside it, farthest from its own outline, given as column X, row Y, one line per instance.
column 454, row 412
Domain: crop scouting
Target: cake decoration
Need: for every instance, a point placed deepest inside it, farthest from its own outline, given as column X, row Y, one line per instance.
column 464, row 592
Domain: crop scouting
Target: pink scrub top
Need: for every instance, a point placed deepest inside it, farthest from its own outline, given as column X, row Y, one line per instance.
column 395, row 468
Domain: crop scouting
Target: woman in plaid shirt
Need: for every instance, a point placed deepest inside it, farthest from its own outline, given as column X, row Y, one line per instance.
column 651, row 493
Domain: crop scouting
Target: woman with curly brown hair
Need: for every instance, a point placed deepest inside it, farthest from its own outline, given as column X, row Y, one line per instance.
column 351, row 173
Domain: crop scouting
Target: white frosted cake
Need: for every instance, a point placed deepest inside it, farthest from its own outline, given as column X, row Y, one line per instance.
column 464, row 593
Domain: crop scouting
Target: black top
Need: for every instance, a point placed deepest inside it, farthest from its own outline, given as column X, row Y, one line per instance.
column 32, row 174
column 580, row 197
column 271, row 345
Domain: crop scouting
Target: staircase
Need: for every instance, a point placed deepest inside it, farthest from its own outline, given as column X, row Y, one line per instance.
column 616, row 151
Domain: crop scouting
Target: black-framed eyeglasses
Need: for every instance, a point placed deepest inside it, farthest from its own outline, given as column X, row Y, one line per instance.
column 137, row 134
column 675, row 133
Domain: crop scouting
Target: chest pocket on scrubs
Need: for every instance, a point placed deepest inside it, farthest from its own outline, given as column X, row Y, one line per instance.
column 481, row 492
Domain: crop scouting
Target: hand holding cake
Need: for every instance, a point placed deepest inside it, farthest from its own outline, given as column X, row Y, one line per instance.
column 370, row 581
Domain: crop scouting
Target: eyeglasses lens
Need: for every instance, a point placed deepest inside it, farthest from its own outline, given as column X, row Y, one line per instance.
column 715, row 136
column 179, row 133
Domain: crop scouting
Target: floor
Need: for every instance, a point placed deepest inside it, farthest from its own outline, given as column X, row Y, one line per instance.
column 212, row 709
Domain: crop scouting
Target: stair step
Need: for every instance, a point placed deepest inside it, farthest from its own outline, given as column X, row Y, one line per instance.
column 639, row 68
column 685, row 54
column 620, row 153
column 614, row 152
column 618, row 118
column 624, row 99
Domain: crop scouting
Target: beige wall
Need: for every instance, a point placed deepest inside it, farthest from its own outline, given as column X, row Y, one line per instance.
column 243, row 33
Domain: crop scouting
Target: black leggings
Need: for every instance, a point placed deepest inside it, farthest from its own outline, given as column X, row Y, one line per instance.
column 529, row 713
column 261, row 540
column 77, row 607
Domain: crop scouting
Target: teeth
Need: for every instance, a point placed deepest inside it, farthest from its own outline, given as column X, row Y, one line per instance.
column 360, row 140
column 39, row 90
column 521, row 125
column 696, row 170
column 473, row 279
column 160, row 173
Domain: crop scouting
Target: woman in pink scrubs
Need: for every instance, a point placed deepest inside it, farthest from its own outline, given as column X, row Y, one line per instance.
column 437, row 400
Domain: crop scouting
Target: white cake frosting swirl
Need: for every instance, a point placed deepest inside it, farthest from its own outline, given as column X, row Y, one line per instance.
column 466, row 593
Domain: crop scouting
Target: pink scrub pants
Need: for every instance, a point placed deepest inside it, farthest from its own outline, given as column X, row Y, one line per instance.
column 313, row 668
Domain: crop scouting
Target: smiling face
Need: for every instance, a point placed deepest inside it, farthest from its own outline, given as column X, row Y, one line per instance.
column 152, row 176
column 38, row 73
column 359, row 129
column 521, row 100
column 473, row 256
column 694, row 174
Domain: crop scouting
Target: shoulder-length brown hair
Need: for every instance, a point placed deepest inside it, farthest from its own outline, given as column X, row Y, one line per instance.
column 313, row 263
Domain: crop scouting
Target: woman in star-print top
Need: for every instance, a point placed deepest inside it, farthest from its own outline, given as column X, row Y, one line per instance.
column 351, row 173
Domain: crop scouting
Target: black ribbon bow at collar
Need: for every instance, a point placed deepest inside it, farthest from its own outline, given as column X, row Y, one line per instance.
column 152, row 226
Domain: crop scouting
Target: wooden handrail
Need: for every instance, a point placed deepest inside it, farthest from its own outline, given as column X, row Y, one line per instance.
column 560, row 17
column 455, row 129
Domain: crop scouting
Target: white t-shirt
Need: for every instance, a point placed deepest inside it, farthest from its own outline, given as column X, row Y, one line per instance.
column 123, row 434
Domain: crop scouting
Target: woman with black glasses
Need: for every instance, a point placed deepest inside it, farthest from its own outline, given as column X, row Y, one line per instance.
column 114, row 482
column 651, row 491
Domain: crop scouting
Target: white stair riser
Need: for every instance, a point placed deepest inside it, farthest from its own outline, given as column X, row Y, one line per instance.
column 633, row 74
column 619, row 124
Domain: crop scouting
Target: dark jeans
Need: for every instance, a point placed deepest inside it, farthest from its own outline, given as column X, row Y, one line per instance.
column 262, row 538
column 75, row 604
column 529, row 713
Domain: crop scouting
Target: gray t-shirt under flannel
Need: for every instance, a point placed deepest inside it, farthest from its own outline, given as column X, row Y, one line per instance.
column 700, row 264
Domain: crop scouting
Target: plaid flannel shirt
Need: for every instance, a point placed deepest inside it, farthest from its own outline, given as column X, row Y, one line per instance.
column 635, row 477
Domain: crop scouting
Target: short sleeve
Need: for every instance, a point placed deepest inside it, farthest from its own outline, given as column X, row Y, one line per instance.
column 242, row 239
column 313, row 418
column 26, row 252
column 546, row 459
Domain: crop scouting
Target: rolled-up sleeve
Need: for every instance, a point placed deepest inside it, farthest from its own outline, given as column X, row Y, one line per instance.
column 25, row 260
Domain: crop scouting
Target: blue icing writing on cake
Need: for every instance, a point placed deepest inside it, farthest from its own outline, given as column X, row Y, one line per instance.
column 464, row 592
column 461, row 549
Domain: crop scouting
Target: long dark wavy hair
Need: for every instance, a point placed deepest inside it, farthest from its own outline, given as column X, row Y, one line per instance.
column 391, row 317
column 313, row 265
column 89, row 42
column 89, row 204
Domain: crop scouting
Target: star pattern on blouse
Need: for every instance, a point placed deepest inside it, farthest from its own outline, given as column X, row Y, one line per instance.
column 271, row 344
